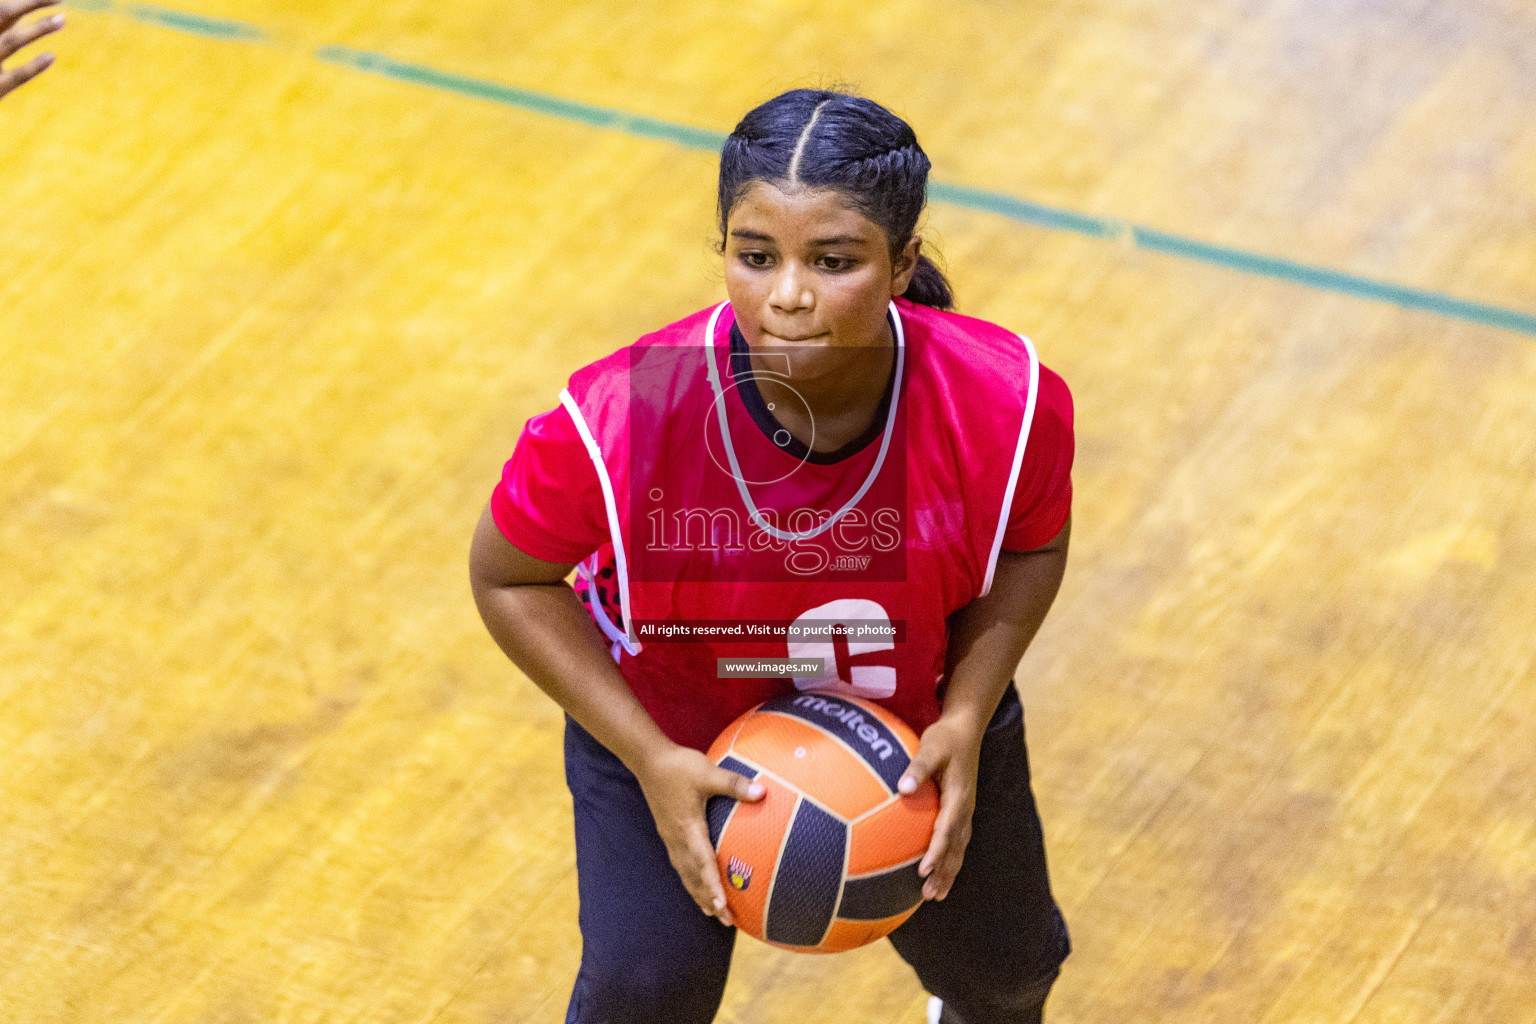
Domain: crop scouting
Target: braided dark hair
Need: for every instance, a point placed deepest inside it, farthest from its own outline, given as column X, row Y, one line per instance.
column 825, row 139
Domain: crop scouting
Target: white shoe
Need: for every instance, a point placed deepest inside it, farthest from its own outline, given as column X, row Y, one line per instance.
column 935, row 1007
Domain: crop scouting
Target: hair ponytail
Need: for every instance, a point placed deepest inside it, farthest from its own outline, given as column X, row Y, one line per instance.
column 929, row 286
column 821, row 139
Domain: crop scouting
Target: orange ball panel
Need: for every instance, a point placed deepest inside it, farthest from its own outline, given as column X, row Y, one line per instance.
column 894, row 834
column 753, row 836
column 807, row 758
column 850, row 934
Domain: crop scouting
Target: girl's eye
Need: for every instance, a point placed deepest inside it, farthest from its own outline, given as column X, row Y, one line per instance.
column 755, row 259
column 836, row 263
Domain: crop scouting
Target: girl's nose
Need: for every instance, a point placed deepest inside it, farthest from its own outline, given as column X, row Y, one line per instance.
column 791, row 292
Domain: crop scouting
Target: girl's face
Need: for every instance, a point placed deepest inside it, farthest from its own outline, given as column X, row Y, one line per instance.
column 805, row 272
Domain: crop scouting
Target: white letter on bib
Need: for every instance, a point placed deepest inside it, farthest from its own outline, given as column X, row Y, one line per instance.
column 867, row 680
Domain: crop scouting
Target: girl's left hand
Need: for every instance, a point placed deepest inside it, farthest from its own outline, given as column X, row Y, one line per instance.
column 14, row 36
column 950, row 752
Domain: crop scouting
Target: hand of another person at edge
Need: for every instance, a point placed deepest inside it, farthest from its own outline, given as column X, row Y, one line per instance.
column 677, row 783
column 949, row 753
column 14, row 36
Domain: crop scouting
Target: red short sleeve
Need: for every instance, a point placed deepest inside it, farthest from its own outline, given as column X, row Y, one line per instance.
column 1042, row 500
column 549, row 503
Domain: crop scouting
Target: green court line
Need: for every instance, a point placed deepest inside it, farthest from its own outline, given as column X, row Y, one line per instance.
column 218, row 28
column 1337, row 281
column 183, row 21
column 1027, row 211
column 536, row 102
column 1015, row 208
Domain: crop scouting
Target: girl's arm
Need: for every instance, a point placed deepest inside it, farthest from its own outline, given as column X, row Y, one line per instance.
column 539, row 622
column 986, row 640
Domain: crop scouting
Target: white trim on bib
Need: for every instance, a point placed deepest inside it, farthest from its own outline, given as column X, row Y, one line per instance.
column 1018, row 461
column 626, row 639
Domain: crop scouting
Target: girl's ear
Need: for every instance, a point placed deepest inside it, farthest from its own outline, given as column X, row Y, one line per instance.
column 905, row 265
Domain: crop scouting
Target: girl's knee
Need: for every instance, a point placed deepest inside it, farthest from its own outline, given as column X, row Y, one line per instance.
column 673, row 991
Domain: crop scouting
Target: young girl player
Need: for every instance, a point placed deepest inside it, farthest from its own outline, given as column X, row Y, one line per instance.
column 830, row 449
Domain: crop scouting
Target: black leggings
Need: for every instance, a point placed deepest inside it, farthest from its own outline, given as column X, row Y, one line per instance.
column 990, row 950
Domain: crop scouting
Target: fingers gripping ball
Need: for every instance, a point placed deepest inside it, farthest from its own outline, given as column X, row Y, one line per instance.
column 827, row 860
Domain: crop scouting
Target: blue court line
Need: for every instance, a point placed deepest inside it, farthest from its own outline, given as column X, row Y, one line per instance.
column 1024, row 211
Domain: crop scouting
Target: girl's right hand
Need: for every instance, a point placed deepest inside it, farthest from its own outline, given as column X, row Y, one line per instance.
column 677, row 783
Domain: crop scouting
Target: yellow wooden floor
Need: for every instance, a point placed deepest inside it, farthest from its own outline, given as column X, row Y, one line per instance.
column 269, row 325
